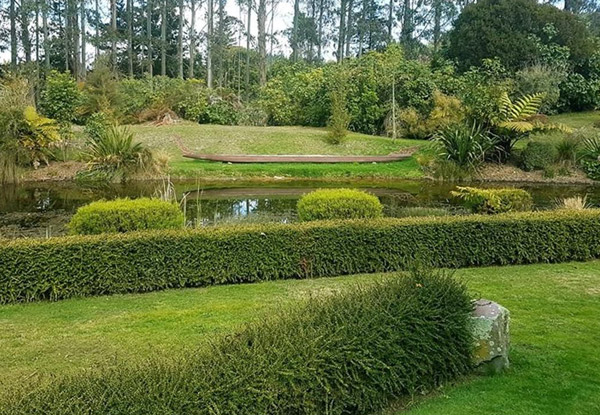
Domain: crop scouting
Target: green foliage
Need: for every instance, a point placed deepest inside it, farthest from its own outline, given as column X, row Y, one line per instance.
column 578, row 93
column 61, row 97
column 538, row 155
column 39, row 136
column 340, row 118
column 446, row 111
column 590, row 152
column 467, row 145
column 491, row 201
column 96, row 125
column 64, row 267
column 101, row 91
column 513, row 31
column 115, row 153
column 392, row 338
column 543, row 80
column 125, row 215
column 339, row 204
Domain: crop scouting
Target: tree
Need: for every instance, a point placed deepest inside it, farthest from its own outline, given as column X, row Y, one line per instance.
column 262, row 41
column 13, row 33
column 512, row 31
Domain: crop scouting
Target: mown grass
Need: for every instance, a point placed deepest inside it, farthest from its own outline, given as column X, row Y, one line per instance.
column 227, row 139
column 555, row 326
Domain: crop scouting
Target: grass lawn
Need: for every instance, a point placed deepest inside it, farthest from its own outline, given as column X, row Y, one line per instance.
column 577, row 119
column 222, row 139
column 555, row 332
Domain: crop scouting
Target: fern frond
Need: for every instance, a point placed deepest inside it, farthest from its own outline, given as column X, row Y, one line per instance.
column 517, row 126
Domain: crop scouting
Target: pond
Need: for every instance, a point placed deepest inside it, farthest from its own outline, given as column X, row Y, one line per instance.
column 43, row 209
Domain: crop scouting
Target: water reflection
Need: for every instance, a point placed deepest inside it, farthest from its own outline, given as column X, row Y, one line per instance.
column 41, row 209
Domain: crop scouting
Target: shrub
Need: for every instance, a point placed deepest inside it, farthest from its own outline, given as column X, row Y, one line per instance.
column 340, row 118
column 596, row 124
column 70, row 266
column 466, row 145
column 538, row 155
column 567, row 148
column 540, row 79
column 96, row 126
column 338, row 204
column 353, row 352
column 60, row 97
column 125, row 215
column 492, row 201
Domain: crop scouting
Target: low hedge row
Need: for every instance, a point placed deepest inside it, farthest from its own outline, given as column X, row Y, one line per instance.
column 144, row 261
column 348, row 353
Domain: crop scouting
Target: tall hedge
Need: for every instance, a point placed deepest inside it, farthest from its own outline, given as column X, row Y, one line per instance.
column 145, row 261
column 348, row 353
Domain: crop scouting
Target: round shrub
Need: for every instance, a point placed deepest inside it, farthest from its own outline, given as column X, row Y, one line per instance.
column 339, row 204
column 538, row 155
column 124, row 215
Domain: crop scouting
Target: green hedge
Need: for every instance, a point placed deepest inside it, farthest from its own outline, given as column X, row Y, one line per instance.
column 339, row 204
column 145, row 261
column 125, row 215
column 349, row 353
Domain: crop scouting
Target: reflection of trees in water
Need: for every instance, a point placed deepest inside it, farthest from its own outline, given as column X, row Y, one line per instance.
column 212, row 211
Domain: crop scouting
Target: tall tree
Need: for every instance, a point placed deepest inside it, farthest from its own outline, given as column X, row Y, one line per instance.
column 113, row 32
column 149, row 52
column 262, row 41
column 130, row 37
column 25, row 39
column 13, row 32
column 193, row 39
column 163, row 38
column 46, row 34
column 209, row 43
column 342, row 30
column 82, row 17
column 295, row 30
column 349, row 28
column 180, row 40
column 248, row 45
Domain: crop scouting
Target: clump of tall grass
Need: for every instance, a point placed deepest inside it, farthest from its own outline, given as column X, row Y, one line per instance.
column 573, row 203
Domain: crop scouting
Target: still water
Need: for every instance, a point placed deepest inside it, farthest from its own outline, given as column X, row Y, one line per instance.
column 44, row 209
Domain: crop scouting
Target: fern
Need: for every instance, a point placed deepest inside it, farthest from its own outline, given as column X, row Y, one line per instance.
column 523, row 117
column 40, row 136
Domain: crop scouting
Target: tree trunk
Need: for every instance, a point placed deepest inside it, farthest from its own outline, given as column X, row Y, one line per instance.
column 97, row 8
column 25, row 40
column 163, row 38
column 83, row 65
column 320, row 33
column 390, row 24
column 407, row 23
column 295, row 31
column 113, row 32
column 37, row 34
column 248, row 46
column 209, row 43
column 349, row 29
column 193, row 42
column 437, row 22
column 262, row 41
column 45, row 29
column 149, row 37
column 75, row 50
column 180, row 41
column 130, row 37
column 13, row 33
column 342, row 32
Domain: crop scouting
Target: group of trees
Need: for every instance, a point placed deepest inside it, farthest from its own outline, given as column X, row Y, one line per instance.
column 201, row 39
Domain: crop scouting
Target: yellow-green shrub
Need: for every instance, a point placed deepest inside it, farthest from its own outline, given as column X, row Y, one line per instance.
column 125, row 215
column 339, row 204
column 494, row 200
column 63, row 267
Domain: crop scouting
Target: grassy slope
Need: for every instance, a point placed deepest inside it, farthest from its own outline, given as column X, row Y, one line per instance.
column 555, row 326
column 573, row 119
column 218, row 139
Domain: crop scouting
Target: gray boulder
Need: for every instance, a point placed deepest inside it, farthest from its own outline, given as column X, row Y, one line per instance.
column 492, row 337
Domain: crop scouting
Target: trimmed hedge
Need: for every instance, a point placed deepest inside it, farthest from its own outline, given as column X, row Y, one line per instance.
column 326, row 204
column 125, row 215
column 353, row 352
column 71, row 266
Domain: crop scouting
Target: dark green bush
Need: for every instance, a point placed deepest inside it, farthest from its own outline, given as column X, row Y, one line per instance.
column 349, row 353
column 72, row 266
column 538, row 155
column 492, row 201
column 125, row 215
column 338, row 204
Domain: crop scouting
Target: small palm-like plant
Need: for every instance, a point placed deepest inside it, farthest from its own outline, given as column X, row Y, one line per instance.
column 467, row 145
column 115, row 152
